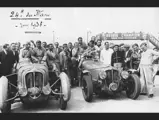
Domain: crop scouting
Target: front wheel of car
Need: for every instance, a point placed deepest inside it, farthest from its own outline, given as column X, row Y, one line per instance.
column 133, row 87
column 4, row 105
column 87, row 88
column 63, row 103
column 64, row 90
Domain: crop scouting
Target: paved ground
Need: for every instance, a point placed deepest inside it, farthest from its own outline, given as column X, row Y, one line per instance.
column 118, row 104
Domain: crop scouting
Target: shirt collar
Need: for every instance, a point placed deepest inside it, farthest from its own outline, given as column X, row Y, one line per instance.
column 5, row 51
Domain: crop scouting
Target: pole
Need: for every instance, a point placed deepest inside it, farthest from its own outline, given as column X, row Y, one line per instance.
column 53, row 38
column 87, row 37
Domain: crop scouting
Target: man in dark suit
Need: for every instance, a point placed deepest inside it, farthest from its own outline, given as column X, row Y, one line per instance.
column 128, row 53
column 5, row 61
column 58, row 50
column 118, row 57
column 14, row 55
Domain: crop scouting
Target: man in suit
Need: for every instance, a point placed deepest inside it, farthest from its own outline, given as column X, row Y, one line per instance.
column 14, row 56
column 5, row 61
column 70, row 47
column 81, row 43
column 65, row 60
column 58, row 50
column 117, row 59
column 128, row 53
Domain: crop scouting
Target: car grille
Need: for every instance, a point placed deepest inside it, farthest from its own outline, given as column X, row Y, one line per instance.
column 112, row 76
column 34, row 80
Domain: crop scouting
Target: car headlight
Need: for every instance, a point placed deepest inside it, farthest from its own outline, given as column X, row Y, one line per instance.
column 23, row 92
column 102, row 74
column 124, row 74
column 46, row 90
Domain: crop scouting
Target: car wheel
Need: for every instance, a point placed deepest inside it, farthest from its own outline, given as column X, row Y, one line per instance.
column 87, row 88
column 63, row 103
column 65, row 90
column 4, row 106
column 133, row 87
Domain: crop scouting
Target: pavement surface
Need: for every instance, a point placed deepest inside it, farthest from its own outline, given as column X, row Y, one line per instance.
column 119, row 103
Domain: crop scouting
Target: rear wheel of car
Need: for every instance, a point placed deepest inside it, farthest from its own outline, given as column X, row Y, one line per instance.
column 133, row 87
column 87, row 88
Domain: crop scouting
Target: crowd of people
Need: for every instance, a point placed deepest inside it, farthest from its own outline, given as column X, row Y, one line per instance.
column 66, row 58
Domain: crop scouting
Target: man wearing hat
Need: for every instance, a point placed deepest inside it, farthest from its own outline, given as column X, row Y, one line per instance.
column 146, row 69
column 117, row 59
column 39, row 53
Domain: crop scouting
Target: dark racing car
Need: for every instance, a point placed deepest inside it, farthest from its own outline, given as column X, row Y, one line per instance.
column 97, row 78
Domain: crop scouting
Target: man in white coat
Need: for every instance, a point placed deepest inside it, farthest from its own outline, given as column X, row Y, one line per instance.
column 106, row 53
column 146, row 70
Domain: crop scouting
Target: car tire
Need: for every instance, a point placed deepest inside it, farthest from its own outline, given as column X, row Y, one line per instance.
column 87, row 88
column 65, row 89
column 4, row 106
column 134, row 87
column 63, row 103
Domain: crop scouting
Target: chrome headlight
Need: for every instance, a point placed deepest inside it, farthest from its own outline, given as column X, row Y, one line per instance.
column 46, row 90
column 23, row 92
column 124, row 74
column 102, row 74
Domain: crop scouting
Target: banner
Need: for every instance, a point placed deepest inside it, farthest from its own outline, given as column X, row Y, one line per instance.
column 123, row 36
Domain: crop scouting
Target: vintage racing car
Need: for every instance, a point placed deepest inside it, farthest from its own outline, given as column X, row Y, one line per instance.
column 33, row 83
column 97, row 78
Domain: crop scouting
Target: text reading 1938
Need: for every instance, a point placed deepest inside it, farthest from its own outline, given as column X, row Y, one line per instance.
column 32, row 20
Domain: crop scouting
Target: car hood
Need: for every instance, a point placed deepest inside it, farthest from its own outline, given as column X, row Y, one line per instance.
column 90, row 64
column 95, row 67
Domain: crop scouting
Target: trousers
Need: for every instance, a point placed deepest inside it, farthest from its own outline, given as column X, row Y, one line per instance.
column 146, row 79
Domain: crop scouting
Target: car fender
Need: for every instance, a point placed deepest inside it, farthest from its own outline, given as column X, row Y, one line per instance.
column 3, row 90
column 86, row 72
column 65, row 84
column 133, row 71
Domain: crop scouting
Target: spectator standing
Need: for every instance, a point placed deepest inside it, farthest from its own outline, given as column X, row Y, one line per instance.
column 146, row 70
column 135, row 57
column 64, row 61
column 81, row 43
column 128, row 53
column 118, row 57
column 5, row 61
column 106, row 54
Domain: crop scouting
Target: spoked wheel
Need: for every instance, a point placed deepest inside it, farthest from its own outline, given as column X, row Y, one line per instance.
column 87, row 88
column 63, row 103
column 134, row 87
